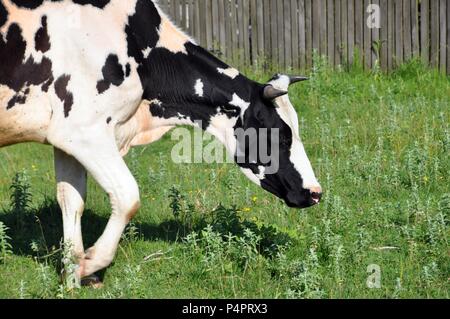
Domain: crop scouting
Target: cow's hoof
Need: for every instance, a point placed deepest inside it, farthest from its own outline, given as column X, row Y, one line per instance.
column 92, row 281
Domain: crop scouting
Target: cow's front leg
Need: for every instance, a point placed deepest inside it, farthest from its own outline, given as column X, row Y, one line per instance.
column 102, row 159
column 71, row 180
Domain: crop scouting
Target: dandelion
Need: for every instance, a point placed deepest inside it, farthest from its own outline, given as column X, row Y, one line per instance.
column 246, row 209
column 254, row 199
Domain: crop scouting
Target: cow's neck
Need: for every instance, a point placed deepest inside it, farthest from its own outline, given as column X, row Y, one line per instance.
column 192, row 87
column 185, row 83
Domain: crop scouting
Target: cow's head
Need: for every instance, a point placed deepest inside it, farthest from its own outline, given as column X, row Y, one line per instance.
column 288, row 174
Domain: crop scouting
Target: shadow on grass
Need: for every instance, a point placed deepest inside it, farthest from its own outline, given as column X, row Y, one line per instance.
column 40, row 231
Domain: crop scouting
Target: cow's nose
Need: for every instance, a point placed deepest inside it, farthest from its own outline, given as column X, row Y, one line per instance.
column 316, row 194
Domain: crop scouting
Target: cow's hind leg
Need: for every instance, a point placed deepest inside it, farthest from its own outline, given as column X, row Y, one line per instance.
column 102, row 159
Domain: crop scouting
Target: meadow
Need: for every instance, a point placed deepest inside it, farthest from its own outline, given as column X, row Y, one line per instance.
column 379, row 145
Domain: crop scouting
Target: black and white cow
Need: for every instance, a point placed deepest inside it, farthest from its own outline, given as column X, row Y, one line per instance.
column 96, row 77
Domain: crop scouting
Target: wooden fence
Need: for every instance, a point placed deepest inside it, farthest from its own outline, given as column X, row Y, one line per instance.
column 288, row 32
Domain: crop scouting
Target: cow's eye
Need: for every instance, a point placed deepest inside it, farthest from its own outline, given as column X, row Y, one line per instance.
column 284, row 141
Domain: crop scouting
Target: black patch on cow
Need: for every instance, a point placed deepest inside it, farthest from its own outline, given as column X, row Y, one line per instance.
column 127, row 70
column 63, row 94
column 47, row 84
column 96, row 3
column 113, row 73
column 3, row 14
column 16, row 99
column 108, row 120
column 29, row 4
column 41, row 38
column 33, row 4
column 16, row 72
column 171, row 78
column 142, row 32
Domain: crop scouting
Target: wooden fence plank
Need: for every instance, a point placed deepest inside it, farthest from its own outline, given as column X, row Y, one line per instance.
column 434, row 43
column 190, row 28
column 184, row 17
column 376, row 40
column 359, row 29
column 407, row 29
column 176, row 9
column 260, row 26
column 384, row 35
column 302, row 33
column 415, row 28
column 240, row 30
column 267, row 30
column 245, row 30
column 173, row 8
column 228, row 32
column 337, row 33
column 253, row 31
column 294, row 34
column 351, row 30
column 391, row 34
column 215, row 24
column 234, row 35
column 280, row 35
column 197, row 21
column 209, row 24
column 309, row 31
column 274, row 31
column 367, row 38
column 316, row 25
column 222, row 28
column 323, row 27
column 443, row 36
column 399, row 32
column 425, row 31
column 344, row 31
column 287, row 39
column 448, row 37
column 330, row 35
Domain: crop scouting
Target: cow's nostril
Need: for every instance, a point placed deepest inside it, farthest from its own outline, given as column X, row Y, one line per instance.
column 316, row 197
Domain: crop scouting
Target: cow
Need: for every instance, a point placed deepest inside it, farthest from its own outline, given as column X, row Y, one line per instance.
column 94, row 78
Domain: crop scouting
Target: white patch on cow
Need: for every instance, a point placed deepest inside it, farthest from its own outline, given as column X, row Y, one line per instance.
column 298, row 154
column 155, row 101
column 262, row 172
column 199, row 87
column 221, row 126
column 281, row 83
column 171, row 37
column 303, row 165
column 248, row 172
column 146, row 52
column 230, row 72
column 238, row 102
column 288, row 114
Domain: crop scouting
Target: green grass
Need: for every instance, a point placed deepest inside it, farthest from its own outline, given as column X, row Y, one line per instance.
column 380, row 147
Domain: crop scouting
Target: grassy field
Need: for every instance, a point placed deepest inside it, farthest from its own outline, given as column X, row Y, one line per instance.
column 380, row 147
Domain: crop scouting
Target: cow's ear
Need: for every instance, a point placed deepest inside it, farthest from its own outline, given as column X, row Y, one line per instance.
column 270, row 93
